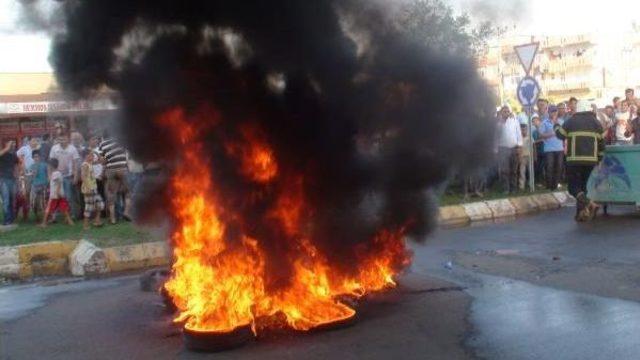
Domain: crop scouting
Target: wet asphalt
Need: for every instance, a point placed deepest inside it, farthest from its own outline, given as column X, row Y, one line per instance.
column 538, row 287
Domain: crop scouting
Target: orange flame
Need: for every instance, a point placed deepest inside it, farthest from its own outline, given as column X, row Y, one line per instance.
column 256, row 158
column 219, row 285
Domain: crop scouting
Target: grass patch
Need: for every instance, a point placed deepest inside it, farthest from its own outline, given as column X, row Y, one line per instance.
column 109, row 235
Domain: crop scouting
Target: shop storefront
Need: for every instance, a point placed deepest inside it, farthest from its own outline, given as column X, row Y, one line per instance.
column 36, row 115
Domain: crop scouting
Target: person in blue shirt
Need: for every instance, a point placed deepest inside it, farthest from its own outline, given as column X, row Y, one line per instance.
column 543, row 109
column 553, row 149
column 39, row 183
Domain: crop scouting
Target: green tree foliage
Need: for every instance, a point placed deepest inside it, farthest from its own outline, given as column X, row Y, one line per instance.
column 434, row 23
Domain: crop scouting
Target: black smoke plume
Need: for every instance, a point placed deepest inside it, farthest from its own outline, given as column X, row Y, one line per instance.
column 373, row 119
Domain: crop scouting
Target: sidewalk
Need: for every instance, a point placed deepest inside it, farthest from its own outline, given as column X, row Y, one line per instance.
column 84, row 258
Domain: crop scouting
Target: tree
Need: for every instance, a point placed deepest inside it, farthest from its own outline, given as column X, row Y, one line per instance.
column 434, row 23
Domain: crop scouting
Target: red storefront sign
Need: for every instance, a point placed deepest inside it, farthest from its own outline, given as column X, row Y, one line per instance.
column 42, row 107
column 47, row 107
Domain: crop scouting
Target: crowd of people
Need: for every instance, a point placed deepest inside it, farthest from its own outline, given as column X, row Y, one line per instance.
column 620, row 123
column 81, row 180
column 66, row 175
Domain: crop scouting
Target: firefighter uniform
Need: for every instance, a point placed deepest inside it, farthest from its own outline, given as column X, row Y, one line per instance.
column 585, row 147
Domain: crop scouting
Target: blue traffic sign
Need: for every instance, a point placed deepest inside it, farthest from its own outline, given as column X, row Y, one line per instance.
column 528, row 91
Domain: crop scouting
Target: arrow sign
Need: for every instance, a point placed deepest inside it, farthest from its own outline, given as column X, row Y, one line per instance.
column 528, row 91
column 527, row 53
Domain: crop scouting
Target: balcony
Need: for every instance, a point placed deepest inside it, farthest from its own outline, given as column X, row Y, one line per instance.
column 559, row 86
column 551, row 42
column 569, row 64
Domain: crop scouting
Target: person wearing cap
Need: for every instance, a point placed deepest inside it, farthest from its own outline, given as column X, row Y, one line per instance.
column 553, row 149
column 509, row 149
column 585, row 146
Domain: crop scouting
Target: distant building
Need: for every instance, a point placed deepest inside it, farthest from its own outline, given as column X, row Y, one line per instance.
column 585, row 66
column 32, row 105
column 570, row 66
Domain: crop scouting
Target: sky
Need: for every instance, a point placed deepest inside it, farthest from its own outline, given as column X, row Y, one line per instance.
column 20, row 51
column 23, row 51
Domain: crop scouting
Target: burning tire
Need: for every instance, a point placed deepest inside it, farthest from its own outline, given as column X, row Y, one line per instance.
column 213, row 341
column 337, row 325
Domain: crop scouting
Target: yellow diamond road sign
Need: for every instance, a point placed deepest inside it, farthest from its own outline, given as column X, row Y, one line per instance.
column 527, row 53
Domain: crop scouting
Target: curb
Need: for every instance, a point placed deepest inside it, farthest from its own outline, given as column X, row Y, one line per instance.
column 45, row 259
column 453, row 216
column 547, row 202
column 9, row 262
column 478, row 211
column 496, row 210
column 57, row 258
column 525, row 205
column 133, row 257
column 501, row 208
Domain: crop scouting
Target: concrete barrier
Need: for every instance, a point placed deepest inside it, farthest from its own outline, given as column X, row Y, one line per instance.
column 46, row 258
column 478, row 211
column 9, row 262
column 131, row 257
column 546, row 201
column 87, row 259
column 501, row 208
column 524, row 205
column 452, row 216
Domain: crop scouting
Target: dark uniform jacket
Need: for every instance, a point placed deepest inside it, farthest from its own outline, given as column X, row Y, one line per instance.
column 585, row 139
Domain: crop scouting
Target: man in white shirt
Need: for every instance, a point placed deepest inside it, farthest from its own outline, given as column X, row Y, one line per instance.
column 25, row 152
column 509, row 149
column 68, row 164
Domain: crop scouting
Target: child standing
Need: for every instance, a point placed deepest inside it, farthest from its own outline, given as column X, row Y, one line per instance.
column 22, row 202
column 57, row 199
column 523, row 164
column 92, row 200
column 39, row 182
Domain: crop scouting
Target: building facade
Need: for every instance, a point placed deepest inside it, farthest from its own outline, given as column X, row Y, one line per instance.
column 31, row 105
column 585, row 66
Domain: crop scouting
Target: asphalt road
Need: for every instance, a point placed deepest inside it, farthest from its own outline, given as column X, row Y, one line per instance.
column 539, row 287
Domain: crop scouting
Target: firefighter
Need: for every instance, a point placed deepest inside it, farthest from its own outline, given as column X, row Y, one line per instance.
column 585, row 147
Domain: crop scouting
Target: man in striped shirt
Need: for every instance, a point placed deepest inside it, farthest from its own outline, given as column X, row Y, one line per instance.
column 115, row 173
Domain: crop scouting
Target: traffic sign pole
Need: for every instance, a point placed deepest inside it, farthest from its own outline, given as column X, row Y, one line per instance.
column 532, row 180
column 528, row 92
